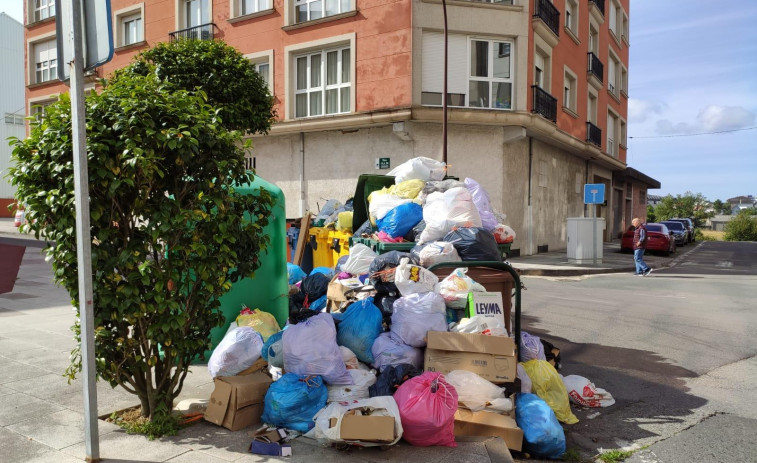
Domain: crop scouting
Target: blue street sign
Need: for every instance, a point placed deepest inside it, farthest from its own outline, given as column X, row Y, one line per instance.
column 594, row 193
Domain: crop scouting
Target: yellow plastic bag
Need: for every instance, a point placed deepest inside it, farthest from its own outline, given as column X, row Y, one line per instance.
column 409, row 189
column 548, row 385
column 344, row 221
column 262, row 322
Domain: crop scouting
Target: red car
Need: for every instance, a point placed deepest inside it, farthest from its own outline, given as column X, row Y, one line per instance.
column 659, row 239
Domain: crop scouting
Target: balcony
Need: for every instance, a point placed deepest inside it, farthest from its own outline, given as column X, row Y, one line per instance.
column 596, row 69
column 201, row 32
column 546, row 11
column 544, row 103
column 598, row 4
column 593, row 134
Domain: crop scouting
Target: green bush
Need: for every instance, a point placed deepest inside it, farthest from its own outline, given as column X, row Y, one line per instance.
column 168, row 229
column 743, row 227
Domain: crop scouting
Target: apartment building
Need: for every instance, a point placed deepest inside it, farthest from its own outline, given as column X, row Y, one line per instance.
column 537, row 93
column 11, row 101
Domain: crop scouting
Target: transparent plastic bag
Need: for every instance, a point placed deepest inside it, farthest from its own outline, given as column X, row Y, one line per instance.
column 362, row 379
column 445, row 211
column 237, row 351
column 310, row 348
column 473, row 391
column 455, row 288
column 417, row 314
column 262, row 322
column 412, row 279
column 421, row 168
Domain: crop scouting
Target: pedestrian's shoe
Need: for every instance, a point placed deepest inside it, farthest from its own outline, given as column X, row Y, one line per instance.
column 649, row 270
column 638, row 274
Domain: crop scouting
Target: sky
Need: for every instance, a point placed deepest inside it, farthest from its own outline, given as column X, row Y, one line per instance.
column 692, row 70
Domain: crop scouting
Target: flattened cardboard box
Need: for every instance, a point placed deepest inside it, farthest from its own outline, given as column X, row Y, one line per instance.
column 237, row 401
column 491, row 357
column 366, row 428
column 487, row 424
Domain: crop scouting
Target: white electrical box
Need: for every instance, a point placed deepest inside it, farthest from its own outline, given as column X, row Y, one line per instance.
column 582, row 247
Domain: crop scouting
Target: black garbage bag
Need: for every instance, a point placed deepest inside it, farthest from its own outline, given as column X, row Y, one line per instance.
column 339, row 263
column 474, row 243
column 385, row 262
column 314, row 286
column 364, row 229
column 391, row 378
column 552, row 353
column 415, row 232
column 301, row 314
column 386, row 304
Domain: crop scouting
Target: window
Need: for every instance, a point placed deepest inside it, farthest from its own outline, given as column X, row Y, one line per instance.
column 11, row 118
column 264, row 70
column 623, row 80
column 613, row 19
column 569, row 90
column 245, row 7
column 263, row 64
column 45, row 61
column 612, row 141
column 541, row 69
column 38, row 108
column 613, row 74
column 593, row 40
column 43, row 9
column 132, row 29
column 485, row 82
column 490, row 79
column 196, row 13
column 571, row 16
column 129, row 25
column 623, row 140
column 323, row 83
column 308, row 10
column 624, row 27
column 592, row 108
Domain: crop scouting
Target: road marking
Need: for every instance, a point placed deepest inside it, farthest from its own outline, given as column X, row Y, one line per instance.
column 724, row 263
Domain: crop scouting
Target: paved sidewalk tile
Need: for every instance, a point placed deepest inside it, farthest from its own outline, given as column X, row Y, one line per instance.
column 18, row 407
column 58, row 430
column 192, row 456
column 46, row 386
column 16, row 447
column 15, row 371
column 119, row 446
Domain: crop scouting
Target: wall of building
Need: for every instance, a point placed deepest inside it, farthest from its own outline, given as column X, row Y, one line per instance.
column 11, row 99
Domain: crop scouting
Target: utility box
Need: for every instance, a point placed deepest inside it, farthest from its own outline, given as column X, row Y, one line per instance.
column 584, row 242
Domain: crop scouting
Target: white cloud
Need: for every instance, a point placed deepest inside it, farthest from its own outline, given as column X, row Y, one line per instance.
column 640, row 110
column 715, row 118
column 666, row 127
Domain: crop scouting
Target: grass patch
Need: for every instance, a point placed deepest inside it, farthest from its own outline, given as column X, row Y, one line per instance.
column 132, row 421
column 711, row 235
column 571, row 455
column 612, row 456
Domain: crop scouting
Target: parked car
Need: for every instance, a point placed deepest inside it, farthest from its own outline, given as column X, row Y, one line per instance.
column 689, row 225
column 679, row 230
column 659, row 239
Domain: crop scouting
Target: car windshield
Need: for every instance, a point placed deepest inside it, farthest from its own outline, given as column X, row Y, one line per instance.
column 674, row 225
column 654, row 228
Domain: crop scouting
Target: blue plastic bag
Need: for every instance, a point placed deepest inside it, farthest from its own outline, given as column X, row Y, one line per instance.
column 319, row 304
column 542, row 432
column 292, row 401
column 273, row 350
column 329, row 272
column 295, row 273
column 400, row 220
column 359, row 327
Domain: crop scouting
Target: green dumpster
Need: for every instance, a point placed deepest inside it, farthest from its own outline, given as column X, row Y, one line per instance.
column 268, row 289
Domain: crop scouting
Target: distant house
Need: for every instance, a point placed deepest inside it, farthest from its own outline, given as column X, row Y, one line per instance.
column 740, row 203
column 653, row 200
column 718, row 222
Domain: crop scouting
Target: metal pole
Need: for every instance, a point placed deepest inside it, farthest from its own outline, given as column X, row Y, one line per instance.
column 444, row 90
column 83, row 239
column 594, row 231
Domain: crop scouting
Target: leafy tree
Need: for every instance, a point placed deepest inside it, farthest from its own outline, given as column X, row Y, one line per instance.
column 743, row 227
column 222, row 72
column 169, row 233
column 688, row 205
column 721, row 207
column 651, row 216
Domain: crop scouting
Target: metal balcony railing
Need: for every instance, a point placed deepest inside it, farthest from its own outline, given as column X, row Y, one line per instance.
column 201, row 32
column 593, row 134
column 596, row 67
column 600, row 5
column 546, row 11
column 544, row 103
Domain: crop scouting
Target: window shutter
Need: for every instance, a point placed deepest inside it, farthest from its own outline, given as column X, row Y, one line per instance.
column 432, row 77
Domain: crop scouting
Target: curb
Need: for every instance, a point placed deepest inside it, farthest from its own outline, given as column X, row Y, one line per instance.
column 547, row 272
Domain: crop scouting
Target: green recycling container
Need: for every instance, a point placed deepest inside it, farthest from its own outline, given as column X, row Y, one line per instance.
column 268, row 289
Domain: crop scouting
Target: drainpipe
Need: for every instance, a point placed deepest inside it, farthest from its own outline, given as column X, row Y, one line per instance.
column 586, row 180
column 303, row 187
column 530, row 212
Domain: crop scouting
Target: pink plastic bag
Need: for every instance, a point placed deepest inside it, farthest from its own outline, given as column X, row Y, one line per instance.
column 427, row 406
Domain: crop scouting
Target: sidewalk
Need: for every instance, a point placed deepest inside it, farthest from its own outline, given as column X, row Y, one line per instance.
column 41, row 415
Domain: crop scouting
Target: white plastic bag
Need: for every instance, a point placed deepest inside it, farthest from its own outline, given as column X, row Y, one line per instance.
column 363, row 380
column 583, row 392
column 310, row 348
column 445, row 211
column 483, row 203
column 421, row 168
column 503, row 234
column 473, row 391
column 455, row 288
column 525, row 381
column 237, row 351
column 359, row 260
column 383, row 203
column 480, row 324
column 412, row 279
column 415, row 315
column 349, row 358
column 380, row 406
column 436, row 252
column 388, row 350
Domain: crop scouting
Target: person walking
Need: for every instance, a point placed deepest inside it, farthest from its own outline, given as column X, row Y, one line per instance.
column 639, row 246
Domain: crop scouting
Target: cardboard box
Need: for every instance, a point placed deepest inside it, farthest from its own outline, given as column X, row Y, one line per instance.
column 237, row 401
column 488, row 305
column 487, row 424
column 366, row 428
column 493, row 358
column 259, row 365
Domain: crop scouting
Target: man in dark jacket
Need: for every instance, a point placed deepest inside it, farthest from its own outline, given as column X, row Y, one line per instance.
column 639, row 246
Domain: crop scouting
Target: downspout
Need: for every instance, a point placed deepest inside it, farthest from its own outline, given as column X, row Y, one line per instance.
column 303, row 187
column 530, row 205
column 586, row 180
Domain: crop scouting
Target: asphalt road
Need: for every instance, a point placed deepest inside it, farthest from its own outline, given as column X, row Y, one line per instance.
column 676, row 349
